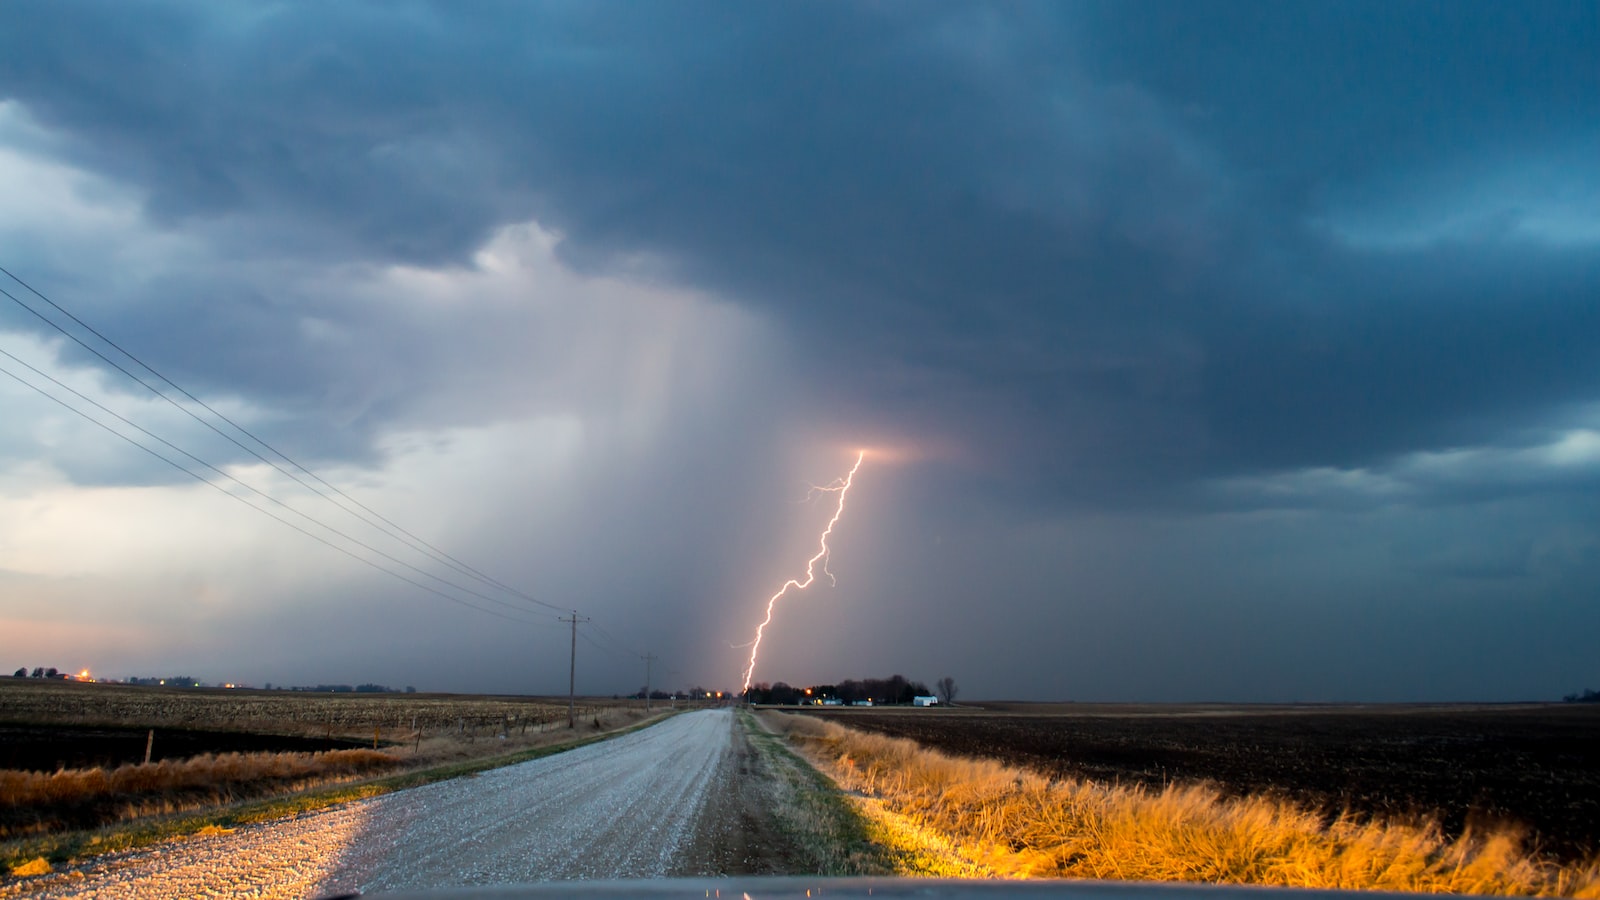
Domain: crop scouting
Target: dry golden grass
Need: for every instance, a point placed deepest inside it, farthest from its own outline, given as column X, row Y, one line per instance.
column 40, row 802
column 220, row 772
column 1020, row 824
column 36, row 866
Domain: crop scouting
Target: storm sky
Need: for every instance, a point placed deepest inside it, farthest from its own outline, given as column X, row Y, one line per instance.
column 1235, row 351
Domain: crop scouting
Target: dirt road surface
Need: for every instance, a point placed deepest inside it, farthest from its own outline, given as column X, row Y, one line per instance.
column 664, row 801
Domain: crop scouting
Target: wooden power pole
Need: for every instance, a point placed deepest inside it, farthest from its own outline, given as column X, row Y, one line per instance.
column 572, row 668
column 647, row 660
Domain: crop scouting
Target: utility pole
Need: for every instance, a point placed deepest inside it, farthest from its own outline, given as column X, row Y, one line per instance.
column 647, row 658
column 572, row 668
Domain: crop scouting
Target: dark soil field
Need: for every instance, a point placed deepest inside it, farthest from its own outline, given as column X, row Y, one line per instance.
column 1535, row 767
column 45, row 748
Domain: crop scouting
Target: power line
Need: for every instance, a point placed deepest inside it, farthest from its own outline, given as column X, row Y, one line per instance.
column 618, row 647
column 415, row 543
column 611, row 637
column 409, row 539
column 606, row 648
column 253, row 489
column 267, row 512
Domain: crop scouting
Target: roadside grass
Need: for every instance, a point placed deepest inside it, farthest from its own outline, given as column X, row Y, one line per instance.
column 1016, row 823
column 898, row 844
column 40, row 802
column 815, row 819
column 37, row 855
column 917, row 850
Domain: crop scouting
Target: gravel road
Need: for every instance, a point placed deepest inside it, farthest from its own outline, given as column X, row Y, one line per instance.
column 637, row 806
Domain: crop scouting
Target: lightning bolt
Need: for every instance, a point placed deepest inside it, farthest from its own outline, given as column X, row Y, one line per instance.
column 841, row 487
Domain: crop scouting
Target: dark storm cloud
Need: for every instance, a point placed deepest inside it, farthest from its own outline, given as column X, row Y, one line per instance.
column 1316, row 96
column 1444, row 346
column 1100, row 243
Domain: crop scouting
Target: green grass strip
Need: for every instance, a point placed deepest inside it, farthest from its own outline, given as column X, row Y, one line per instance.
column 815, row 815
column 71, row 846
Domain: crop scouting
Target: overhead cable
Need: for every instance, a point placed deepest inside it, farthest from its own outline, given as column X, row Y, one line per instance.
column 267, row 512
column 252, row 488
column 388, row 527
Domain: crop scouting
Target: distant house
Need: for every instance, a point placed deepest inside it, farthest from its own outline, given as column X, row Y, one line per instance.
column 861, row 703
column 924, row 701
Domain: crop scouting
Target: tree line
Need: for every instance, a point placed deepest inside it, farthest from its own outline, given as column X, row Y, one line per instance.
column 896, row 689
column 40, row 672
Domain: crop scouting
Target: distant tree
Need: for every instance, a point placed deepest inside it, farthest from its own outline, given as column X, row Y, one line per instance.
column 410, row 689
column 51, row 673
column 20, row 673
column 894, row 689
column 899, row 690
column 947, row 689
column 1589, row 695
column 38, row 671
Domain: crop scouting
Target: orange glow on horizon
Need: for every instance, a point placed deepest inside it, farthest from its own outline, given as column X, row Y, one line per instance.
column 842, row 487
